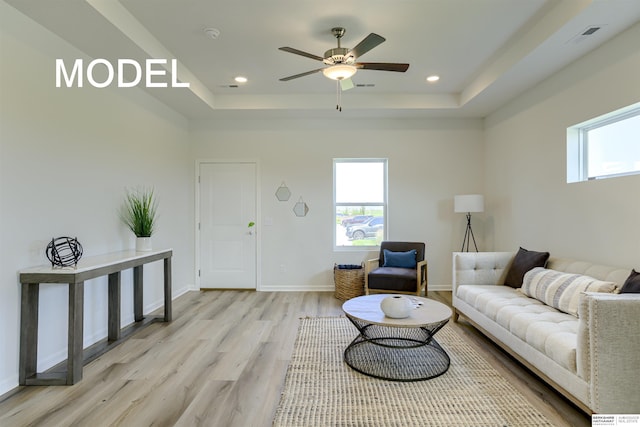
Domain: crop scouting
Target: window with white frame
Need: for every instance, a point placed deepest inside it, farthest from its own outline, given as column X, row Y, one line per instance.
column 360, row 202
column 605, row 147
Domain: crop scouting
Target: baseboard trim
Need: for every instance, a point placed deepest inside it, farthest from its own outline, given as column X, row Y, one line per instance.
column 440, row 288
column 281, row 288
column 331, row 288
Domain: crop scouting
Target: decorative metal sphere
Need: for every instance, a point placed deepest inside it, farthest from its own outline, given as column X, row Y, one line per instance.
column 64, row 251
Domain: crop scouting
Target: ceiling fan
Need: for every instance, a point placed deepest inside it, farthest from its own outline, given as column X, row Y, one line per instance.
column 341, row 61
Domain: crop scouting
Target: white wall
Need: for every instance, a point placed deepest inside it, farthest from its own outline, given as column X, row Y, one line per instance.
column 430, row 161
column 530, row 203
column 66, row 157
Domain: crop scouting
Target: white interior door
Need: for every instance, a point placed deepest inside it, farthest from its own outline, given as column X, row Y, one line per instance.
column 227, row 242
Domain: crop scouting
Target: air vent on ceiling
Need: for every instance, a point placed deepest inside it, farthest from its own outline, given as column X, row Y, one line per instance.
column 229, row 86
column 365, row 85
column 584, row 34
column 590, row 31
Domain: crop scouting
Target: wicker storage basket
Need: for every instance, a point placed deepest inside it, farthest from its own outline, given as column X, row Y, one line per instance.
column 349, row 281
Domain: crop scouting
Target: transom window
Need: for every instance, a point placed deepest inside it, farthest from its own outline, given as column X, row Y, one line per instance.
column 360, row 202
column 605, row 147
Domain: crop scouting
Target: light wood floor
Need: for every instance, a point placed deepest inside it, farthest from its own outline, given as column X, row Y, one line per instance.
column 221, row 362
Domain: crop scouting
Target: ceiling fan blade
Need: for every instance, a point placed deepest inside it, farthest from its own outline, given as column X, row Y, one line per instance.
column 295, row 76
column 382, row 66
column 301, row 53
column 368, row 43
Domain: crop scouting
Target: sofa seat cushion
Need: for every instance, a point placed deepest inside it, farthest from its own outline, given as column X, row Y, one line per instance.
column 546, row 329
column 393, row 279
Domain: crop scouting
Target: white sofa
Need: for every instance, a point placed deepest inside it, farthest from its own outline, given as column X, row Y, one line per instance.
column 592, row 359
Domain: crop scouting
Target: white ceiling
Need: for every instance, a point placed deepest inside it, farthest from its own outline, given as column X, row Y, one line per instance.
column 485, row 51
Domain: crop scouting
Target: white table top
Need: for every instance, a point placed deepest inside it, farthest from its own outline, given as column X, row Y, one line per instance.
column 94, row 262
column 367, row 309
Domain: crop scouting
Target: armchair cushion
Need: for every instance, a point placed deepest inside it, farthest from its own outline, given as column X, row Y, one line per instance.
column 400, row 259
column 401, row 247
column 393, row 279
column 388, row 274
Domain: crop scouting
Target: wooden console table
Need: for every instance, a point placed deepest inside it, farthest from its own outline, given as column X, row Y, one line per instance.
column 110, row 265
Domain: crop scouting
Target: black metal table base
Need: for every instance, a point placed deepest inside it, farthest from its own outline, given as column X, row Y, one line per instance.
column 397, row 354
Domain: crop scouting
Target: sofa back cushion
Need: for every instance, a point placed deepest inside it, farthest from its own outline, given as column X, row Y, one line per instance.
column 480, row 268
column 607, row 273
column 562, row 290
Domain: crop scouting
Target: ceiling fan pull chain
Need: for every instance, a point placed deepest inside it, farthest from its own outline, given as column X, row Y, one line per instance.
column 338, row 93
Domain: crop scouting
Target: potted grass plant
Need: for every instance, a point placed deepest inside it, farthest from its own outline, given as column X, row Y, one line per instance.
column 139, row 215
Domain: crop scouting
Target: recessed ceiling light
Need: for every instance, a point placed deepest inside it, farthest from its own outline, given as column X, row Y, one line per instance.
column 241, row 79
column 433, row 79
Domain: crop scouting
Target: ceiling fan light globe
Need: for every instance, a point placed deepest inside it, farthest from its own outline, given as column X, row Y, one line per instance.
column 339, row 71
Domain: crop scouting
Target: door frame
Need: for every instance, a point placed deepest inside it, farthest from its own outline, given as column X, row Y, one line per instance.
column 257, row 228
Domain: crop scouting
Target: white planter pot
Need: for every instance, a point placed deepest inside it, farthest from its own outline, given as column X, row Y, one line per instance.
column 396, row 306
column 143, row 244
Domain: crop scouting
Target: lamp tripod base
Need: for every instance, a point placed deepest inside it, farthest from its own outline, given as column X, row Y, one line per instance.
column 468, row 235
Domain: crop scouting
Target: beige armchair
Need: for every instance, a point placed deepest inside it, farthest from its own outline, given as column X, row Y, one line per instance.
column 395, row 273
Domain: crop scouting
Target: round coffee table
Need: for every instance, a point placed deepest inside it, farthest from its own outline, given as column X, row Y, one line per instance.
column 397, row 349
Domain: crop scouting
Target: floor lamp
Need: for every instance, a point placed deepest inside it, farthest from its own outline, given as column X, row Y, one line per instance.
column 468, row 203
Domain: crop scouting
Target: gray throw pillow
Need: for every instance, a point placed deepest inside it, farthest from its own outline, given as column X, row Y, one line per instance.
column 632, row 284
column 524, row 261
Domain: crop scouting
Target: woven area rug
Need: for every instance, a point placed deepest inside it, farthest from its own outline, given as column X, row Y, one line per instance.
column 321, row 390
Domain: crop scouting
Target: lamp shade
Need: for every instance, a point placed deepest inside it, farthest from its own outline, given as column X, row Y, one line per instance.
column 339, row 71
column 468, row 203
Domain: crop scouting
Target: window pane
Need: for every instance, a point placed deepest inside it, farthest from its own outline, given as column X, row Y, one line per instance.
column 359, row 225
column 360, row 202
column 360, row 182
column 614, row 148
column 607, row 146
